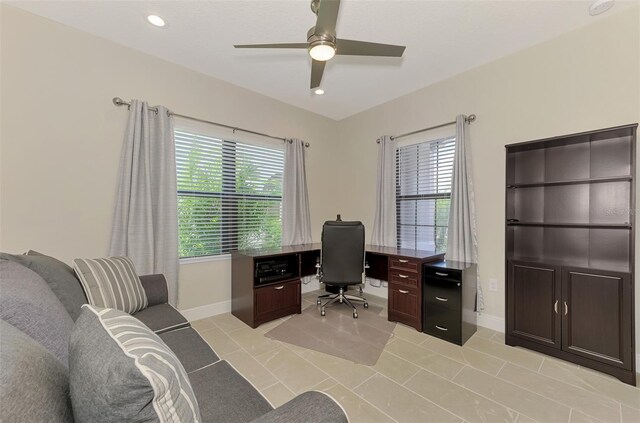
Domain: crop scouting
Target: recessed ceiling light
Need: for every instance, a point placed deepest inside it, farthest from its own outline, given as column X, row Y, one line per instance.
column 156, row 20
column 600, row 6
column 319, row 91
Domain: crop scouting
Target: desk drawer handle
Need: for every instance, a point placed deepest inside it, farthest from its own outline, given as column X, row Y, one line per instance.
column 403, row 261
column 442, row 274
column 402, row 291
column 279, row 287
column 400, row 275
column 442, row 299
column 441, row 328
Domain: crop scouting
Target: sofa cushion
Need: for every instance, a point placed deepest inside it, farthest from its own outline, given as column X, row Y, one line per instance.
column 58, row 275
column 315, row 406
column 225, row 396
column 34, row 385
column 155, row 286
column 162, row 318
column 121, row 371
column 193, row 352
column 111, row 283
column 28, row 304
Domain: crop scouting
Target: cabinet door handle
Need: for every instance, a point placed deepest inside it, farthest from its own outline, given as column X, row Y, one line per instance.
column 403, row 261
column 566, row 308
column 402, row 291
column 442, row 274
column 279, row 287
column 555, row 307
column 400, row 275
column 441, row 328
column 442, row 299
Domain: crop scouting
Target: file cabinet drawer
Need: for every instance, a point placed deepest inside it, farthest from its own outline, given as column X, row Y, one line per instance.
column 430, row 272
column 442, row 322
column 443, row 292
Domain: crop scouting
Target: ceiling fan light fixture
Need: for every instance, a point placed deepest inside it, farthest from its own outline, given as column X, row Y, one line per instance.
column 322, row 50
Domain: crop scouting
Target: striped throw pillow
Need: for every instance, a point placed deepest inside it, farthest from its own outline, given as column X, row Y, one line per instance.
column 111, row 283
column 121, row 371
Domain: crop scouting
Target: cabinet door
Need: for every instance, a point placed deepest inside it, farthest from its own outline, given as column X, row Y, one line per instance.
column 405, row 305
column 533, row 294
column 274, row 301
column 596, row 321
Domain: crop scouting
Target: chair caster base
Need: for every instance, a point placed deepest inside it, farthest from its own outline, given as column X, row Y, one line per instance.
column 366, row 305
column 322, row 312
column 355, row 315
column 318, row 302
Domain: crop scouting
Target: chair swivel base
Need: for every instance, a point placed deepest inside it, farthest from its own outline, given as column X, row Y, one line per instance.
column 342, row 298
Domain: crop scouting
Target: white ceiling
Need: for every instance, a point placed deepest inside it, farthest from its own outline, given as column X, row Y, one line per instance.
column 443, row 38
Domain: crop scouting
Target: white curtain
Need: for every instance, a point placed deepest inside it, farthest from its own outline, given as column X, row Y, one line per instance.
column 296, row 219
column 462, row 244
column 145, row 226
column 384, row 222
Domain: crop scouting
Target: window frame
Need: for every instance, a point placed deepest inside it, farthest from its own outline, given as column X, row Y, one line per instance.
column 228, row 158
column 443, row 140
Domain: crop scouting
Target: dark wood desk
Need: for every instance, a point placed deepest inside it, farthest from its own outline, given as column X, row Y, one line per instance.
column 256, row 301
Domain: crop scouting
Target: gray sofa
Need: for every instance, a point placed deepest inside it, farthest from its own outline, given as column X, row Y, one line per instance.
column 223, row 394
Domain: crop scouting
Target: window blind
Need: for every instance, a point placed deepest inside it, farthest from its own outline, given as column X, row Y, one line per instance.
column 229, row 194
column 423, row 194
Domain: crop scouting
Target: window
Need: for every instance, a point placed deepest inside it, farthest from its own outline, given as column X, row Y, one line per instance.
column 229, row 194
column 423, row 194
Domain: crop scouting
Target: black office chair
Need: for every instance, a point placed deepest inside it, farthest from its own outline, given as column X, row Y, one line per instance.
column 342, row 261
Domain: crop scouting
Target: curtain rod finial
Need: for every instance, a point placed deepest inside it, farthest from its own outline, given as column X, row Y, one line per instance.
column 118, row 101
column 471, row 118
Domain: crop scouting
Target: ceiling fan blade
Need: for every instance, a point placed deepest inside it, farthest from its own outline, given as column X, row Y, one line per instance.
column 281, row 45
column 327, row 17
column 317, row 69
column 364, row 48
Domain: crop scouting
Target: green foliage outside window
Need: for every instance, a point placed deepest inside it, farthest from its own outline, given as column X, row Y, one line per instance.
column 227, row 198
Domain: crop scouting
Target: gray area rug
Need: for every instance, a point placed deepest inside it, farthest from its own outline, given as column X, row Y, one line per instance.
column 360, row 340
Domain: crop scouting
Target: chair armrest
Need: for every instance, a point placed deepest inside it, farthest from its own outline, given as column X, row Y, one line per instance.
column 312, row 406
column 155, row 286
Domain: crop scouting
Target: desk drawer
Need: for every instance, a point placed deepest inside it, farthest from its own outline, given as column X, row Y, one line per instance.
column 405, row 305
column 277, row 300
column 404, row 263
column 403, row 277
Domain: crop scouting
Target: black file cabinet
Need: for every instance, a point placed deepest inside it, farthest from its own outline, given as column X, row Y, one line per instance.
column 448, row 300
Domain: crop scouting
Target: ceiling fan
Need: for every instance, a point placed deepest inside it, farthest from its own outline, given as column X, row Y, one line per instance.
column 322, row 43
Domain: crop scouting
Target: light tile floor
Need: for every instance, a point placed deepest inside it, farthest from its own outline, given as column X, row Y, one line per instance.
column 419, row 378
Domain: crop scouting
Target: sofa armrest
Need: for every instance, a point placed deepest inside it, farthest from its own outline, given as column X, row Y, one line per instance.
column 155, row 286
column 312, row 406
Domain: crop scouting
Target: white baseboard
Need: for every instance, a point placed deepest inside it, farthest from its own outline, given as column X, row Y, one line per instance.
column 490, row 321
column 202, row 312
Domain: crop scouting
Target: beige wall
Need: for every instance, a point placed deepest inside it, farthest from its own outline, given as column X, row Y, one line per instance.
column 583, row 80
column 61, row 135
column 61, row 139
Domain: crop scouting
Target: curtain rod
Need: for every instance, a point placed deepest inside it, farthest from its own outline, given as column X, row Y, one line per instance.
column 120, row 102
column 468, row 119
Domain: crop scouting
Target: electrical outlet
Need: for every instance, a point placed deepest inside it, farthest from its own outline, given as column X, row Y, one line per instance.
column 493, row 285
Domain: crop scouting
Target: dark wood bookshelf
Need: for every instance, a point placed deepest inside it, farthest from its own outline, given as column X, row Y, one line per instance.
column 570, row 248
column 571, row 182
column 573, row 225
